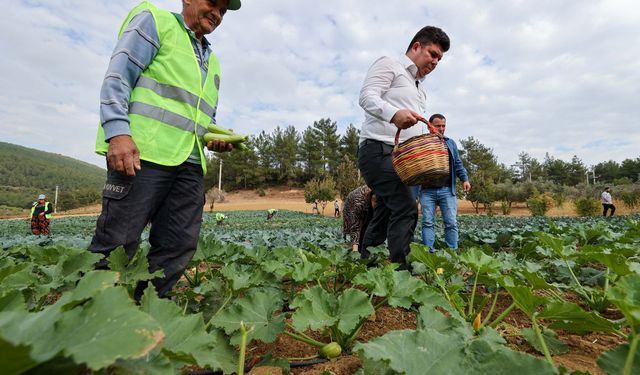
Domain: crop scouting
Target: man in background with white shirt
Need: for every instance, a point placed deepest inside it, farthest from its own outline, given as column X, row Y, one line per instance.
column 607, row 202
column 392, row 98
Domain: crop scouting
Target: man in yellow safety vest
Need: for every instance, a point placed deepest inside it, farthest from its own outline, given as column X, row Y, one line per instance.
column 158, row 96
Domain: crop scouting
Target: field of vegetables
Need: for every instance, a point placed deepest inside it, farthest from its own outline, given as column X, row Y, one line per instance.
column 522, row 296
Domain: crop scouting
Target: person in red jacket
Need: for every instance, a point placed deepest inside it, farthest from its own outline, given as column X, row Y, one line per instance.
column 40, row 215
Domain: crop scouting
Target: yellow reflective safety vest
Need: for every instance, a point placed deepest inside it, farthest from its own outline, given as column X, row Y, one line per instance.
column 46, row 207
column 170, row 107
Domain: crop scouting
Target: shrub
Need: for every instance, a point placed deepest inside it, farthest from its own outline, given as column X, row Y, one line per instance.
column 630, row 198
column 506, row 208
column 261, row 192
column 539, row 204
column 587, row 206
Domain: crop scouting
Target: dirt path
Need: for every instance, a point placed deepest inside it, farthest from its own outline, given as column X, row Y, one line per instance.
column 284, row 198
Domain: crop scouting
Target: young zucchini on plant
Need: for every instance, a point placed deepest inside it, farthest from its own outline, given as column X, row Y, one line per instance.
column 218, row 133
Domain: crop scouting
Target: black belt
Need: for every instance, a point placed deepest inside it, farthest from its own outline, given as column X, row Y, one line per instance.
column 385, row 148
column 370, row 141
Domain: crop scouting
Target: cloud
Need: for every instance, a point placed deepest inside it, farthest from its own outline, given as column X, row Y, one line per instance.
column 557, row 77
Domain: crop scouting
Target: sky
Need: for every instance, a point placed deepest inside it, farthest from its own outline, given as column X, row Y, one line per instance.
column 541, row 76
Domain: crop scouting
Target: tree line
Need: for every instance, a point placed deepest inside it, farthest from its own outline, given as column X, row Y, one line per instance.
column 289, row 157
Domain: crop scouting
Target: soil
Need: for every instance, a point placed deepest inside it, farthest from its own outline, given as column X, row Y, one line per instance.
column 288, row 198
column 582, row 356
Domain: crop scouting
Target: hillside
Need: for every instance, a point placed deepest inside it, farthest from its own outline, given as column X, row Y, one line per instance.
column 26, row 172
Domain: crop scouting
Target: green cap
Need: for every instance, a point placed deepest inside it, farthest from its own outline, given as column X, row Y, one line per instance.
column 234, row 5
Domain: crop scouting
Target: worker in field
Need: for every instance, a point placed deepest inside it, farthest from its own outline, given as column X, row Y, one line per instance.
column 270, row 213
column 41, row 212
column 158, row 96
column 393, row 98
column 220, row 218
column 607, row 202
column 443, row 193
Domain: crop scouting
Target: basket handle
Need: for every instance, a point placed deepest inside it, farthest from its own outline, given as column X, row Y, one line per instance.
column 421, row 119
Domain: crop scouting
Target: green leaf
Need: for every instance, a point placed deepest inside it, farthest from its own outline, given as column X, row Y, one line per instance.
column 14, row 359
column 555, row 345
column 430, row 352
column 525, row 300
column 626, row 296
column 572, row 318
column 353, row 305
column 154, row 364
column 102, row 330
column 131, row 270
column 613, row 361
column 398, row 286
column 616, row 262
column 91, row 284
column 13, row 300
column 556, row 244
column 316, row 309
column 256, row 310
column 433, row 261
column 105, row 329
column 22, row 279
column 186, row 337
column 478, row 261
column 243, row 276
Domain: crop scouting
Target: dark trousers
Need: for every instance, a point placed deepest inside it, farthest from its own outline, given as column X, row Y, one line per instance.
column 395, row 215
column 168, row 198
column 606, row 207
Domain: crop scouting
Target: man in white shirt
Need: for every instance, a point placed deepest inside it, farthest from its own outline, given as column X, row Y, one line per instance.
column 392, row 99
column 607, row 202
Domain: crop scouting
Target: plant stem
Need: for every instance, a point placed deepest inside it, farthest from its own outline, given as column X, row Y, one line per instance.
column 575, row 279
column 224, row 304
column 298, row 332
column 628, row 363
column 473, row 293
column 441, row 285
column 376, row 307
column 493, row 306
column 502, row 316
column 306, row 340
column 545, row 350
column 243, row 348
column 606, row 282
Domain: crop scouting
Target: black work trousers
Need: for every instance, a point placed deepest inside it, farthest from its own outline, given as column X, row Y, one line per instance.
column 395, row 215
column 168, row 198
column 606, row 207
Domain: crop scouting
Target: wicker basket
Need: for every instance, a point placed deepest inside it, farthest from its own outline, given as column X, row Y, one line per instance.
column 422, row 159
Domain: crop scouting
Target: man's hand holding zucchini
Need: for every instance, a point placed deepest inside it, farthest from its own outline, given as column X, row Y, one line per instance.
column 221, row 139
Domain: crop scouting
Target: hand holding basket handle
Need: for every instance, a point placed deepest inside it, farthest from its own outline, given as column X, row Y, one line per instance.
column 421, row 119
column 422, row 159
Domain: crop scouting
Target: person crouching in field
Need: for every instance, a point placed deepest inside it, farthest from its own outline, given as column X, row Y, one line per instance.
column 270, row 213
column 357, row 211
column 40, row 215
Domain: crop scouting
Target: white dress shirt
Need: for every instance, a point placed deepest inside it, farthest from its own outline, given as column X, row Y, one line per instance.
column 606, row 198
column 391, row 85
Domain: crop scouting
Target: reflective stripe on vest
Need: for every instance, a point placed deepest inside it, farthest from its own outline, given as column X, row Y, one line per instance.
column 46, row 207
column 170, row 107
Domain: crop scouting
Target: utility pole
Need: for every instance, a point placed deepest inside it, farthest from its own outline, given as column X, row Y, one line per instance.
column 220, row 177
column 55, row 201
column 587, row 174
